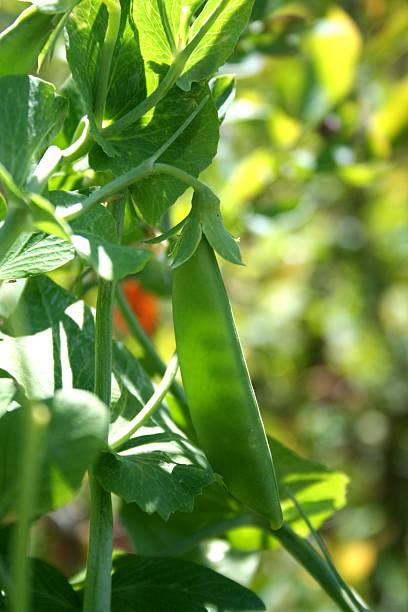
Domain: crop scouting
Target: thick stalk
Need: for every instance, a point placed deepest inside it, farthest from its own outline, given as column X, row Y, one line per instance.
column 99, row 563
column 317, row 567
column 35, row 422
column 12, row 227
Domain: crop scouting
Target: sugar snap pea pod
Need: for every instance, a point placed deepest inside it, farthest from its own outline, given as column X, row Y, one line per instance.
column 21, row 43
column 219, row 392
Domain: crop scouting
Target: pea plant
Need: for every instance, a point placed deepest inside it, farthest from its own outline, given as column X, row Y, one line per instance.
column 88, row 176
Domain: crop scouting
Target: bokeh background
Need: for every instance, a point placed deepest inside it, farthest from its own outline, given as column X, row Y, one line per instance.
column 312, row 175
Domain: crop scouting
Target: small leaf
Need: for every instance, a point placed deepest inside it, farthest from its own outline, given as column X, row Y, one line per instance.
column 32, row 115
column 50, row 590
column 153, row 584
column 189, row 239
column 223, row 91
column 33, row 254
column 77, row 429
column 55, row 6
column 219, row 238
column 110, row 261
column 171, row 232
column 21, row 43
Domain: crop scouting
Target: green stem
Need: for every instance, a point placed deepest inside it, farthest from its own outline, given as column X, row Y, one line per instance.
column 157, row 365
column 169, row 80
column 38, row 180
column 111, row 35
column 35, row 422
column 177, row 173
column 151, row 406
column 99, row 563
column 81, row 146
column 317, row 567
column 12, row 227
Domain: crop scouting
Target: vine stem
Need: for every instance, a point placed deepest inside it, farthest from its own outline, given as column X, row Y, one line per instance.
column 151, row 405
column 97, row 596
column 12, row 227
column 36, row 418
column 111, row 36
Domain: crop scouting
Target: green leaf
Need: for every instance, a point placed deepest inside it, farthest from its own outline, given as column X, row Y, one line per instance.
column 223, row 91
column 147, row 583
column 159, row 22
column 50, row 590
column 76, row 432
column 213, row 227
column 33, row 254
column 189, row 239
column 155, row 475
column 169, row 234
column 110, row 261
column 21, row 43
column 50, row 322
column 32, row 115
column 192, row 151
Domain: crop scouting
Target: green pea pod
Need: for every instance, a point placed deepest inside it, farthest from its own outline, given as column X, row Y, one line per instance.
column 219, row 392
column 21, row 43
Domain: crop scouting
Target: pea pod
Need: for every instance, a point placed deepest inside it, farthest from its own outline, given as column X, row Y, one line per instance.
column 222, row 403
column 21, row 43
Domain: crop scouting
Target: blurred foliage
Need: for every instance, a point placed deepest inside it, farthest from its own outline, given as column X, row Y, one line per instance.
column 312, row 175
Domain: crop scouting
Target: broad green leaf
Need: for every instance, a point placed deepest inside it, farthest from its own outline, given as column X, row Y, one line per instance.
column 192, row 151
column 53, row 343
column 223, row 91
column 110, row 261
column 50, row 590
column 156, row 475
column 33, row 254
column 97, row 221
column 164, row 24
column 77, row 429
column 10, row 293
column 147, row 583
column 32, row 115
column 21, row 43
column 55, row 6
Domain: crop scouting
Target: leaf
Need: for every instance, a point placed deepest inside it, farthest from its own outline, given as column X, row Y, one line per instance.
column 154, row 17
column 32, row 115
column 50, row 322
column 76, row 432
column 33, row 254
column 110, row 261
column 21, row 43
column 155, row 475
column 154, row 584
column 50, row 590
column 189, row 239
column 169, row 234
column 219, row 238
column 223, row 91
column 192, row 151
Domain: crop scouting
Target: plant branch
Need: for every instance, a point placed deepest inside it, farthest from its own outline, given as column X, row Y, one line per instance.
column 99, row 563
column 150, row 406
column 111, row 35
column 12, row 227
